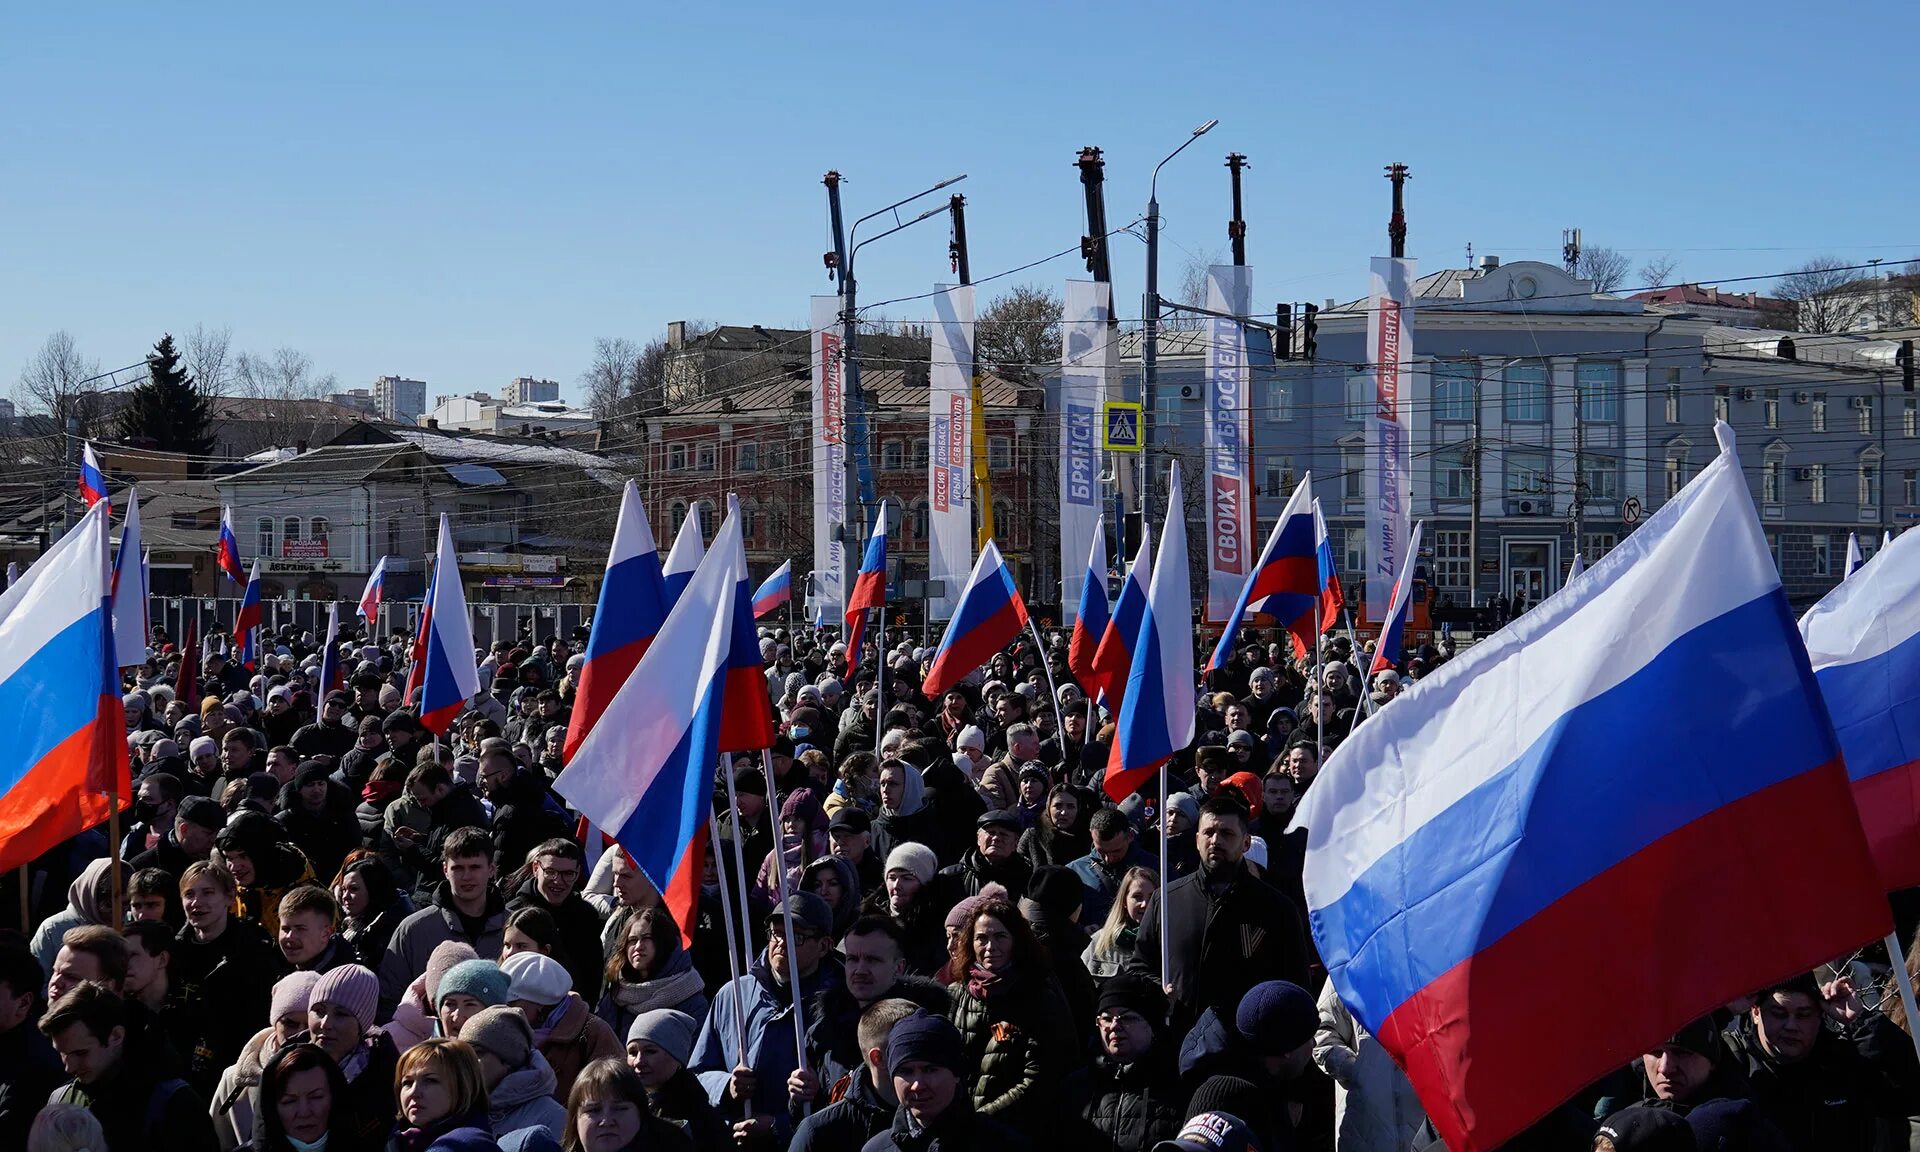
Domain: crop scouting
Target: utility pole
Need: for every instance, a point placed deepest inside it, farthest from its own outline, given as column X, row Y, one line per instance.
column 1150, row 324
column 1093, row 248
column 1237, row 227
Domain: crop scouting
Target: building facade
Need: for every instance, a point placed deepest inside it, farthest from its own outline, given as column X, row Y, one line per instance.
column 399, row 399
column 528, row 390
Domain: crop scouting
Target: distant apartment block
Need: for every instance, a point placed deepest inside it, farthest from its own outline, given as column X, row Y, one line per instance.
column 529, row 390
column 359, row 399
column 399, row 399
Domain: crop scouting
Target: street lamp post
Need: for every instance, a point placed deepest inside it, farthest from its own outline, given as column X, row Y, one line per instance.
column 1150, row 330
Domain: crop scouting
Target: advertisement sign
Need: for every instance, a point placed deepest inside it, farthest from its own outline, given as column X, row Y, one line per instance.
column 1229, row 485
column 1389, row 476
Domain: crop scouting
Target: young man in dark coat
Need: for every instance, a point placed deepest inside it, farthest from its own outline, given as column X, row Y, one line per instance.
column 873, row 957
column 928, row 1067
column 866, row 1108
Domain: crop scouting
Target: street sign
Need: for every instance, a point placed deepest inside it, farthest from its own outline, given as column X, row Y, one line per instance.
column 1120, row 426
column 1630, row 511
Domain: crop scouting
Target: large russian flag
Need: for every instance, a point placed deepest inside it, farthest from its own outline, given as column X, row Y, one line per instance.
column 227, row 550
column 246, row 622
column 451, row 677
column 775, row 590
column 869, row 590
column 645, row 774
column 1113, row 659
column 1386, row 653
column 1090, row 619
column 685, row 555
column 1579, row 821
column 1285, row 584
column 988, row 618
column 633, row 604
column 1864, row 642
column 1332, row 599
column 130, row 627
column 60, row 715
column 93, row 482
column 1157, row 713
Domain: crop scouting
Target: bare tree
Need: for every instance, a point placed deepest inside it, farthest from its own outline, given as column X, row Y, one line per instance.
column 207, row 355
column 609, row 377
column 1017, row 335
column 285, row 374
column 1605, row 267
column 1828, row 296
column 1658, row 271
column 50, row 382
column 1192, row 290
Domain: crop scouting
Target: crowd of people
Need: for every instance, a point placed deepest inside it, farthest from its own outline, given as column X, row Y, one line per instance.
column 324, row 929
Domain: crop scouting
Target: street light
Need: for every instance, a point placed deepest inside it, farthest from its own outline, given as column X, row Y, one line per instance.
column 1150, row 334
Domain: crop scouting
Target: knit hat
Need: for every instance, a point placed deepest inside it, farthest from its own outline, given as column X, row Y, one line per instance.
column 354, row 987
column 926, row 1037
column 502, row 1031
column 1642, row 1129
column 309, row 772
column 483, row 980
column 1701, row 1037
column 749, row 781
column 667, row 1029
column 291, row 995
column 1276, row 1017
column 1231, row 1096
column 1054, row 891
column 536, row 978
column 203, row 811
column 441, row 960
column 201, row 746
column 1184, row 804
column 915, row 858
column 1734, row 1126
column 1211, row 1132
column 971, row 737
column 1132, row 992
column 963, row 911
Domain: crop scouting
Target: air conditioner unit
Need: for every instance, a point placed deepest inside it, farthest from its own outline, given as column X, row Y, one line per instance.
column 1527, row 507
column 1803, row 474
column 1862, row 403
column 1803, row 397
column 1746, row 394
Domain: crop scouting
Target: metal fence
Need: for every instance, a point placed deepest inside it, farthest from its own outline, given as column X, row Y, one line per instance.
column 490, row 621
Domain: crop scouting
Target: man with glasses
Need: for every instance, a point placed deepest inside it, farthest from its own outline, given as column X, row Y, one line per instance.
column 521, row 819
column 328, row 735
column 1131, row 1094
column 553, row 883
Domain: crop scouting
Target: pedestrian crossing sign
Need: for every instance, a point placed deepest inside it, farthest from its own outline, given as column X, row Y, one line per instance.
column 1120, row 429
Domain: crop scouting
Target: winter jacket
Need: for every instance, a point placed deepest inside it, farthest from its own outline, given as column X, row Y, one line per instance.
column 277, row 871
column 522, row 821
column 234, row 971
column 677, row 986
column 959, row 1129
column 524, row 1099
column 572, row 1037
column 833, row 1048
column 322, row 739
column 459, row 808
column 454, row 1134
column 371, row 1093
column 235, row 1104
column 370, row 942
column 1063, row 943
column 579, row 925
column 956, row 882
column 682, row 1102
column 29, row 1069
column 140, row 1108
column 766, row 1010
column 419, row 934
column 1374, row 1107
column 1042, row 847
column 1222, row 943
column 911, row 823
column 84, row 907
column 1019, row 1044
column 848, row 1122
column 1102, row 882
column 1829, row 1101
column 325, row 836
column 923, row 925
column 1126, row 1108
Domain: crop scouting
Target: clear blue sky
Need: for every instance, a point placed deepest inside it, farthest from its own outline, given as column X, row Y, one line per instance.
column 469, row 192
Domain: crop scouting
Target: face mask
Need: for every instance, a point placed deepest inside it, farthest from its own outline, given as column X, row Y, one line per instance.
column 800, row 731
column 144, row 812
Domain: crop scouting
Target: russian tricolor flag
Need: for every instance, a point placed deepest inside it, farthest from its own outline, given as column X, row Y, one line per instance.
column 1113, row 659
column 645, row 775
column 130, row 627
column 1332, row 599
column 1090, row 619
column 1580, row 820
column 451, row 678
column 375, row 592
column 60, row 715
column 869, row 588
column 1864, row 643
column 227, row 551
column 330, row 676
column 417, row 651
column 633, row 604
column 685, row 555
column 1157, row 713
column 246, row 622
column 93, row 482
column 1285, row 584
column 776, row 590
column 748, row 714
column 1386, row 653
column 988, row 617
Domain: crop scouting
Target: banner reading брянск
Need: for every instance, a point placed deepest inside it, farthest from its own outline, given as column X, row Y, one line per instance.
column 827, row 589
column 1084, row 355
column 1389, row 476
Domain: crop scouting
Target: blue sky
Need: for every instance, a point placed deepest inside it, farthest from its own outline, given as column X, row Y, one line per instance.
column 468, row 193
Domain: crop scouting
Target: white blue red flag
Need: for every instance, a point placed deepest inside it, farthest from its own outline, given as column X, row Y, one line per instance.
column 227, row 550
column 685, row 555
column 130, row 629
column 1090, row 618
column 1853, row 554
column 990, row 616
column 645, row 774
column 869, row 588
column 1284, row 585
column 1113, row 659
column 451, row 678
column 417, row 651
column 1863, row 639
column 633, row 604
column 774, row 591
column 1393, row 631
column 60, row 715
column 748, row 724
column 93, row 482
column 1157, row 714
column 330, row 678
column 246, row 622
column 375, row 592
column 1561, row 824
column 1332, row 599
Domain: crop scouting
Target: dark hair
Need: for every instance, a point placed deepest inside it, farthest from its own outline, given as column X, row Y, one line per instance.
column 285, row 1064
column 87, row 1003
column 105, row 945
column 606, row 1078
column 1028, row 958
column 1216, row 759
column 468, row 841
column 156, row 937
column 1228, row 803
column 875, row 925
column 1108, row 822
column 167, row 784
column 19, row 971
column 558, row 846
column 1071, row 793
column 657, row 923
column 158, row 882
column 431, row 774
column 539, row 924
column 374, row 873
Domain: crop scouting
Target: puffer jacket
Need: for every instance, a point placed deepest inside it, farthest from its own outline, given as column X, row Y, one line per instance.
column 833, row 1046
column 1128, row 1108
column 524, row 1099
column 1019, row 1044
column 1374, row 1108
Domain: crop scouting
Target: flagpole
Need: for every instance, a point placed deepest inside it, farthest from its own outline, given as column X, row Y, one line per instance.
column 733, row 944
column 1900, row 977
column 1319, row 693
column 1166, row 834
column 879, row 679
column 1059, row 726
column 786, row 911
column 113, row 855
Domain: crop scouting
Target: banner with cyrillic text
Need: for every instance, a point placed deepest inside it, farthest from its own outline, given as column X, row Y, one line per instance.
column 949, row 453
column 1084, row 355
column 1389, row 476
column 829, row 459
column 1229, row 487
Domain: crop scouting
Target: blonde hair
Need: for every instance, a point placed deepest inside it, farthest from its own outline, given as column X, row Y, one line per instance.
column 456, row 1062
column 66, row 1128
column 1108, row 936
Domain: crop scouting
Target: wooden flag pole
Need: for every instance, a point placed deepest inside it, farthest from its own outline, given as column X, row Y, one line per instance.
column 733, row 945
column 113, row 854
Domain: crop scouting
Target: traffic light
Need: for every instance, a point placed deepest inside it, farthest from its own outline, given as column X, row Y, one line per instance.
column 1904, row 358
column 1309, row 331
column 1283, row 332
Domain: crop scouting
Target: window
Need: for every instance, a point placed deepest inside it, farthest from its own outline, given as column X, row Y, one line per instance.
column 185, row 520
column 705, row 458
column 676, row 457
column 1869, row 486
column 1770, row 479
column 1817, row 484
column 1272, row 485
column 1280, row 400
column 1673, row 395
column 1597, row 544
column 776, row 456
column 893, row 456
column 1452, row 560
column 999, row 456
column 1453, row 382
column 1528, row 472
column 1526, row 391
column 1773, row 549
column 920, row 454
column 1599, row 385
column 1822, row 556
column 1452, row 474
column 1600, row 477
column 917, row 520
column 1909, row 418
column 318, row 529
column 1771, row 405
column 1361, row 394
column 1819, row 411
column 1355, row 552
column 1910, row 487
column 289, row 530
column 1722, row 409
column 677, row 515
column 747, row 456
column 1004, row 522
column 1353, row 459
column 263, row 537
column 1864, row 406
column 749, row 523
column 1279, row 476
column 1676, row 467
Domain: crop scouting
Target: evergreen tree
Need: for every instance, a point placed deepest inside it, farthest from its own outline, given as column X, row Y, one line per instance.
column 168, row 410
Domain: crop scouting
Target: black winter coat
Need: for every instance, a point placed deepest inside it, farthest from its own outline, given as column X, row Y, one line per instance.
column 522, row 822
column 1127, row 1108
column 956, row 882
column 1222, row 945
column 682, row 1102
column 959, row 1129
column 848, row 1122
column 579, row 924
column 833, row 1049
column 1829, row 1101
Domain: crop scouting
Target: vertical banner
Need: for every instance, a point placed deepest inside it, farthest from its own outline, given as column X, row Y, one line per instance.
column 829, row 587
column 950, row 456
column 1084, row 356
column 1229, row 488
column 1389, row 476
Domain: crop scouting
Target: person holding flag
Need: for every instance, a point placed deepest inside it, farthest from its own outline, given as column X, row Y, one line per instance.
column 93, row 482
column 450, row 678
column 227, row 549
column 869, row 592
column 246, row 622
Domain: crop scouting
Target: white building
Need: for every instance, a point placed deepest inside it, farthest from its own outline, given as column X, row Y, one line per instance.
column 399, row 399
column 477, row 413
column 529, row 390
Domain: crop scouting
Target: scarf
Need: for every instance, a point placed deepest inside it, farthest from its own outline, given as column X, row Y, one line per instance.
column 981, row 983
column 666, row 990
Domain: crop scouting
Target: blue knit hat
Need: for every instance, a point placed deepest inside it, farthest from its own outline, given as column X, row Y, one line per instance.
column 924, row 1036
column 481, row 979
column 1276, row 1017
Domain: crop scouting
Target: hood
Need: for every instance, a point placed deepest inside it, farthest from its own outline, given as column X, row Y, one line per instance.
column 89, row 894
column 849, row 909
column 521, row 1086
column 913, row 795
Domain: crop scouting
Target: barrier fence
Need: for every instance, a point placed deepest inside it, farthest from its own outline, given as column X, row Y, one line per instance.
column 490, row 621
